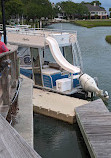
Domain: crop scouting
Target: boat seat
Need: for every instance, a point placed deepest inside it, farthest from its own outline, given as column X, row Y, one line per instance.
column 55, row 66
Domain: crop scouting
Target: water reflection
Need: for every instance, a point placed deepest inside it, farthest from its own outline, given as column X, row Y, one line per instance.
column 54, row 138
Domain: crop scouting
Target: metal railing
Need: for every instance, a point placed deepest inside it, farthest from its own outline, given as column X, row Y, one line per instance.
column 39, row 31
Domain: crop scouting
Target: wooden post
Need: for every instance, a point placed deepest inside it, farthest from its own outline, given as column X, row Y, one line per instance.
column 17, row 68
column 5, row 86
column 13, row 70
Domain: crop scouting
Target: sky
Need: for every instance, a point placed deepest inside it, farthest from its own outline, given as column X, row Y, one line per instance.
column 105, row 3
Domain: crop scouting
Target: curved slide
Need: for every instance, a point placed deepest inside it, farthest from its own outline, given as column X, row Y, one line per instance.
column 86, row 81
column 59, row 58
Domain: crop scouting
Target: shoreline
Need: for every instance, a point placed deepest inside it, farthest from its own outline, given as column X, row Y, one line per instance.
column 86, row 23
column 92, row 23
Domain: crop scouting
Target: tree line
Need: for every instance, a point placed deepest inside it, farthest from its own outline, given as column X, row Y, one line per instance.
column 36, row 9
column 32, row 9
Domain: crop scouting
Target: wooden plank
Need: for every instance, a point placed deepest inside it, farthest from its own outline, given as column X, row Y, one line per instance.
column 13, row 70
column 95, row 106
column 0, row 92
column 5, row 86
column 94, row 121
column 17, row 67
column 24, row 117
column 12, row 49
column 12, row 145
column 4, row 110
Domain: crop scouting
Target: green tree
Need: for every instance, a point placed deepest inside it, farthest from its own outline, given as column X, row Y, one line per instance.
column 69, row 8
column 55, row 10
column 82, row 11
column 73, row 10
column 13, row 7
column 0, row 17
column 37, row 9
column 110, row 12
column 33, row 11
column 97, row 3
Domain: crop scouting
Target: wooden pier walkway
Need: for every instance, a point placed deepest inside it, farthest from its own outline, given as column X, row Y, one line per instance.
column 94, row 121
column 24, row 118
column 12, row 145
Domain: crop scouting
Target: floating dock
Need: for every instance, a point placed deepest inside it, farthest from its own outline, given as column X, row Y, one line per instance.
column 56, row 105
column 94, row 121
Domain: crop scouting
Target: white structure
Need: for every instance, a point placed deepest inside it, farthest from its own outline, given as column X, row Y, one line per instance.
column 96, row 11
column 56, row 61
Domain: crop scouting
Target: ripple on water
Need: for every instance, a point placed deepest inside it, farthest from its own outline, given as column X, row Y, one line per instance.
column 54, row 138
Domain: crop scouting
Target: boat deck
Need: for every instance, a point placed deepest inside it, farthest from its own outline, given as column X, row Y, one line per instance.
column 94, row 121
column 56, row 105
column 34, row 39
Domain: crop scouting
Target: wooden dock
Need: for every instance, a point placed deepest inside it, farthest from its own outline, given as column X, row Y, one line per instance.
column 12, row 145
column 94, row 121
column 56, row 105
column 24, row 118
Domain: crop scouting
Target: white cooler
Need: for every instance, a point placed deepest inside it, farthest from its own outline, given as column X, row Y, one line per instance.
column 63, row 84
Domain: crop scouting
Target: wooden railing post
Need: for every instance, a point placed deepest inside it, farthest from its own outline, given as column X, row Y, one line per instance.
column 17, row 68
column 13, row 69
column 5, row 84
column 8, row 66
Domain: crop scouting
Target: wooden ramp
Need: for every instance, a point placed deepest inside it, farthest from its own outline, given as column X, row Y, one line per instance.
column 12, row 145
column 94, row 121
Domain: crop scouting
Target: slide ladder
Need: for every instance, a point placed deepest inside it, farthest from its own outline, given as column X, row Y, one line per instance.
column 77, row 58
column 79, row 55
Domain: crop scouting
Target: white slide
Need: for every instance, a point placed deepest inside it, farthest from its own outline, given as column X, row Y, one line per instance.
column 86, row 81
column 59, row 58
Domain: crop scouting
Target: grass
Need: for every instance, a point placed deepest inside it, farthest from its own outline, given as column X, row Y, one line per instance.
column 92, row 23
column 108, row 39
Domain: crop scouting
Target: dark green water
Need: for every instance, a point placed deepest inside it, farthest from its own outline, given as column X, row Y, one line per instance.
column 56, row 139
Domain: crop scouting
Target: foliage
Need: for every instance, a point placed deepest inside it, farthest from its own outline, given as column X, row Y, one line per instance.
column 110, row 12
column 82, row 10
column 108, row 39
column 72, row 9
column 36, row 9
column 0, row 16
column 55, row 10
column 31, row 9
column 68, row 7
column 93, row 23
column 97, row 3
column 13, row 7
